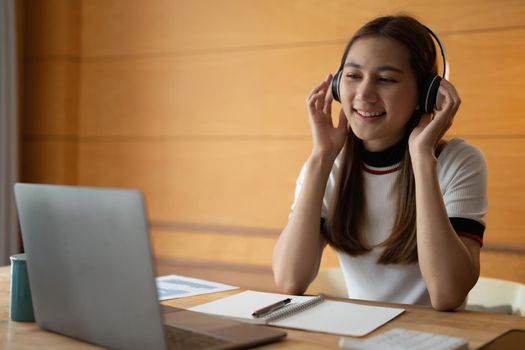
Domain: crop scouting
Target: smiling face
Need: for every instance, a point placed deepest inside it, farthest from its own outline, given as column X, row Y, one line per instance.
column 378, row 91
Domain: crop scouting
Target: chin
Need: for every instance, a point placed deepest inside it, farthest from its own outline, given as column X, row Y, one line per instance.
column 363, row 135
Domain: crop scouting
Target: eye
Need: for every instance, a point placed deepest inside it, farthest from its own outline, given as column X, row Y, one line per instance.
column 387, row 80
column 352, row 76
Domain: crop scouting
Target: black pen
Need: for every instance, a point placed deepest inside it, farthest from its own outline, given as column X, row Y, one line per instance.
column 270, row 308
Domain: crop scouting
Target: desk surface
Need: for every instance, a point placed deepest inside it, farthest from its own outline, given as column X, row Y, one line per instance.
column 477, row 327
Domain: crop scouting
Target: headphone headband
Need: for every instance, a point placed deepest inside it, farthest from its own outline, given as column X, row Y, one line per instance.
column 441, row 48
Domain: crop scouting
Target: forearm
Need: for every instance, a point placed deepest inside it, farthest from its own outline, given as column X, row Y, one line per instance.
column 446, row 264
column 298, row 250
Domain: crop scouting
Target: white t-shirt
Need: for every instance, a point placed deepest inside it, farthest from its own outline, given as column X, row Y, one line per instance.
column 461, row 172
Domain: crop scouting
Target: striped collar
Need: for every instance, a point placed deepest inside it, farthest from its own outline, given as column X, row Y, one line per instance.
column 381, row 170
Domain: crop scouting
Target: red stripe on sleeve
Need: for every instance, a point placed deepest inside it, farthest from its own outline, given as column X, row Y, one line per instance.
column 471, row 236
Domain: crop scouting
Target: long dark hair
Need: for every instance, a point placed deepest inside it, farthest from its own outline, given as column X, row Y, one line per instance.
column 344, row 231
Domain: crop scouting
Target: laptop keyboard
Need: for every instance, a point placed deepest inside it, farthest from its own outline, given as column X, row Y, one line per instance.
column 179, row 338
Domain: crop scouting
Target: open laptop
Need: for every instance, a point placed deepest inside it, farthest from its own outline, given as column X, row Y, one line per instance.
column 92, row 274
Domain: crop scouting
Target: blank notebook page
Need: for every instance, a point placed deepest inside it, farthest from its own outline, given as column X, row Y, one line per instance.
column 329, row 316
column 340, row 318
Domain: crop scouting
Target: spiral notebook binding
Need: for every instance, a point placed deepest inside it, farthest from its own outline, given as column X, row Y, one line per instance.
column 294, row 308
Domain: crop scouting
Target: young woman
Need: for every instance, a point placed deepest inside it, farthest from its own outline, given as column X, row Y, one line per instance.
column 403, row 208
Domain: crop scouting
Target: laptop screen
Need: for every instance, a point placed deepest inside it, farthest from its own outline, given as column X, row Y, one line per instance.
column 89, row 263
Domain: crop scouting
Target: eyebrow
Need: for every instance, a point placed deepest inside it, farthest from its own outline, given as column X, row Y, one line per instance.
column 379, row 69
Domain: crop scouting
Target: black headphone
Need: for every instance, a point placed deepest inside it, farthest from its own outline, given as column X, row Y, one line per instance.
column 427, row 99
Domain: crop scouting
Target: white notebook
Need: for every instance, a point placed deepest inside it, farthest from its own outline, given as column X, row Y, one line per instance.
column 305, row 313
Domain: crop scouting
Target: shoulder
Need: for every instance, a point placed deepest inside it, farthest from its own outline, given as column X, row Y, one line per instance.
column 462, row 174
column 461, row 167
column 460, row 155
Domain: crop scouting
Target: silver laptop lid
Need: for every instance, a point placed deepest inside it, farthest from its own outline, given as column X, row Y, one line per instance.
column 74, row 236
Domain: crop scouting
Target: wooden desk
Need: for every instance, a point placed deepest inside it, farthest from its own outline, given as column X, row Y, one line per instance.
column 477, row 327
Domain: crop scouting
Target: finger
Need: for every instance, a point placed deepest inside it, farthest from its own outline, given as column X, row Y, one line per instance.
column 449, row 105
column 446, row 89
column 342, row 120
column 320, row 101
column 315, row 95
column 441, row 99
column 328, row 105
column 315, row 90
column 312, row 103
column 444, row 101
column 321, row 85
column 449, row 86
column 319, row 88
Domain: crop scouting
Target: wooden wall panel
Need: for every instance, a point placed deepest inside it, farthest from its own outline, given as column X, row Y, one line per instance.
column 48, row 60
column 506, row 189
column 234, row 248
column 51, row 161
column 504, row 265
column 205, row 246
column 489, row 73
column 235, row 94
column 213, row 182
column 251, row 183
column 263, row 92
column 49, row 97
column 111, row 28
column 50, row 28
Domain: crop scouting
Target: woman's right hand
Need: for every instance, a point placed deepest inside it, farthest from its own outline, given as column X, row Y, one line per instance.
column 327, row 139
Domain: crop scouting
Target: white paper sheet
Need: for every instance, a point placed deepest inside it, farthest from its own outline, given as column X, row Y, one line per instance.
column 175, row 286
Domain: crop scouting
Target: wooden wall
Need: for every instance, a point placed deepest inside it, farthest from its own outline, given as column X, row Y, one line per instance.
column 200, row 104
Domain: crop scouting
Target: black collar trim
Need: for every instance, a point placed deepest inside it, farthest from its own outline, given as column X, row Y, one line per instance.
column 388, row 157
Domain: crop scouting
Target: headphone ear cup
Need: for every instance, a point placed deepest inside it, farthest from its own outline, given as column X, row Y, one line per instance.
column 429, row 94
column 335, row 85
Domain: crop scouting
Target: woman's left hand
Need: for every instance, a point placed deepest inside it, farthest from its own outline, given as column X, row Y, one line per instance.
column 432, row 127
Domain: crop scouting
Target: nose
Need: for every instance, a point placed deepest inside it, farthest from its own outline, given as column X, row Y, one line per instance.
column 366, row 91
